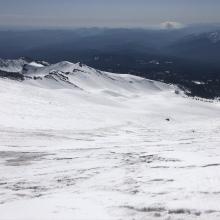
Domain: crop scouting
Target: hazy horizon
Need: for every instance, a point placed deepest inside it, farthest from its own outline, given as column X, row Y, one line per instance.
column 69, row 28
column 102, row 13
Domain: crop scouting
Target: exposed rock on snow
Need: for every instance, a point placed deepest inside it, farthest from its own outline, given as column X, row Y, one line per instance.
column 12, row 65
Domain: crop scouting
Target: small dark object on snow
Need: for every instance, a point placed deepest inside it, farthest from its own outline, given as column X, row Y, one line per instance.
column 177, row 92
column 167, row 119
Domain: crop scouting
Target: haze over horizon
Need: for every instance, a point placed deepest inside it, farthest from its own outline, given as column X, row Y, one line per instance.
column 102, row 13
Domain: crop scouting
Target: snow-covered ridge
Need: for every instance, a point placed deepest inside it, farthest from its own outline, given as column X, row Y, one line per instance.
column 78, row 76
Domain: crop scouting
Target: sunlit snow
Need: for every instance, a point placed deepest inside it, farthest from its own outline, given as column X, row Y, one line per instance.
column 77, row 143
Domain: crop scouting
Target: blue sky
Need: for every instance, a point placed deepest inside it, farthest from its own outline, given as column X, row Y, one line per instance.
column 113, row 13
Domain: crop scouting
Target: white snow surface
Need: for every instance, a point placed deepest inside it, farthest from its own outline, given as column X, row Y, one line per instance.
column 81, row 144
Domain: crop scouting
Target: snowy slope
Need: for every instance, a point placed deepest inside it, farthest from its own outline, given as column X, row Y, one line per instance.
column 78, row 143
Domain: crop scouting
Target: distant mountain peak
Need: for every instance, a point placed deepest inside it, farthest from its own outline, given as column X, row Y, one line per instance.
column 170, row 25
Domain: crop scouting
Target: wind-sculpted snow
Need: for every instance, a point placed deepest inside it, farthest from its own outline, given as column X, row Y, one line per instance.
column 78, row 143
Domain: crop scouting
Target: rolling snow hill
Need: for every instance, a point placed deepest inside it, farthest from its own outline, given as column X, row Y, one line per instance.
column 79, row 143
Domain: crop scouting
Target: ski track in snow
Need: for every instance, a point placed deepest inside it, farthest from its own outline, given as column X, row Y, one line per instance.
column 94, row 155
